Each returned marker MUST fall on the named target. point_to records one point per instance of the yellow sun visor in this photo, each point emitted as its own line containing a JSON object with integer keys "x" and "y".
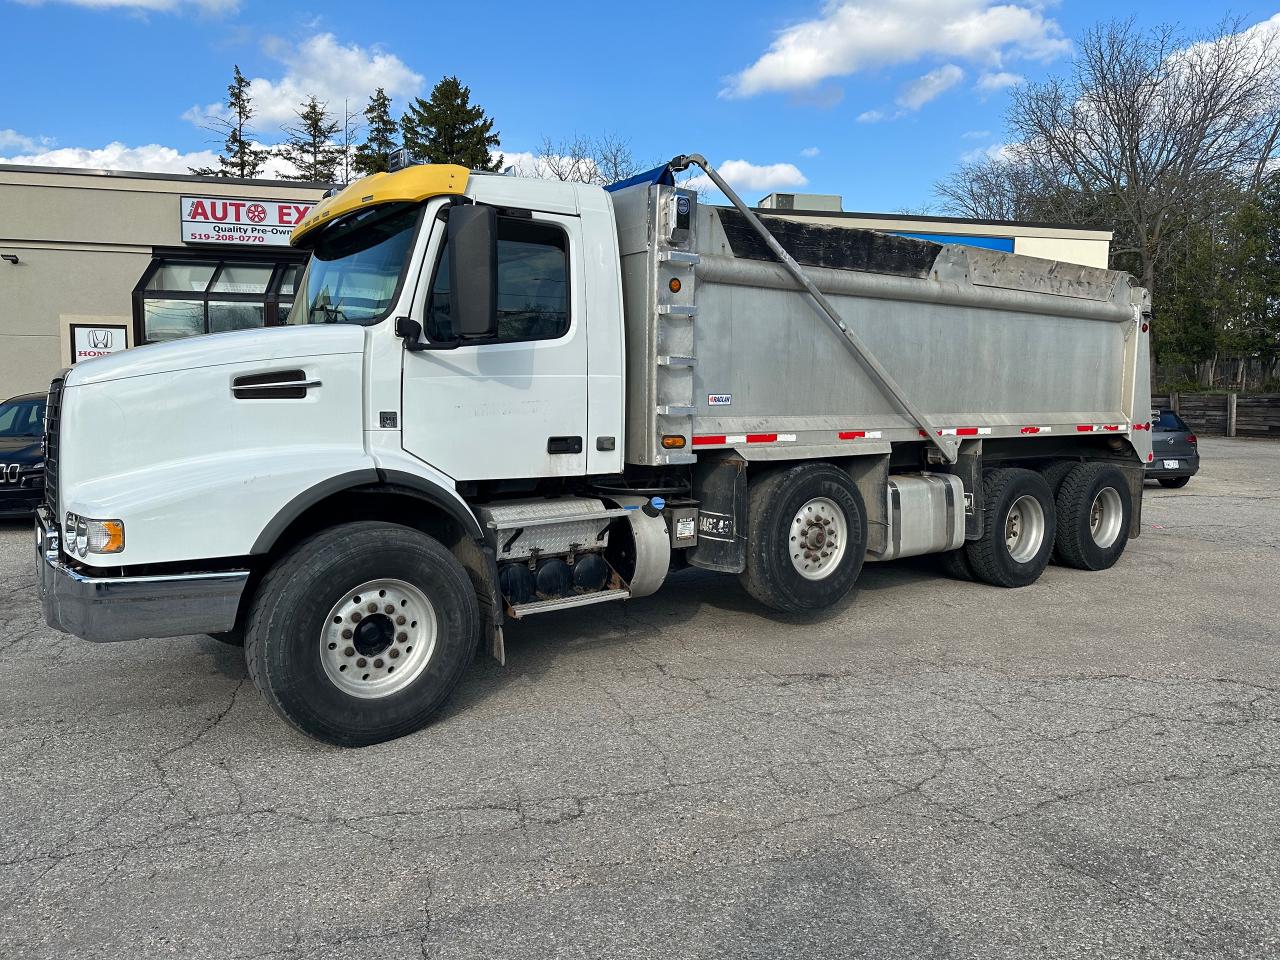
{"x": 410, "y": 185}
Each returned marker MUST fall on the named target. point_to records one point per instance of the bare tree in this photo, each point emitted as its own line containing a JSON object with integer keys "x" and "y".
{"x": 1150, "y": 127}
{"x": 605, "y": 159}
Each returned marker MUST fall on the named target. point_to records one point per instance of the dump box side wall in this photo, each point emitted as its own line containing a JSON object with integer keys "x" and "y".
{"x": 988, "y": 344}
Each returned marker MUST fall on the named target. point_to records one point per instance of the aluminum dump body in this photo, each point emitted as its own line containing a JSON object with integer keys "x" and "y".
{"x": 734, "y": 353}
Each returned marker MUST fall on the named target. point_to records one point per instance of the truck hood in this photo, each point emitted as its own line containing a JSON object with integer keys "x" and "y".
{"x": 237, "y": 346}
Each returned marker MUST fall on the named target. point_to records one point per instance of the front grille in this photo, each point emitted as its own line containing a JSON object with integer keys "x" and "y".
{"x": 52, "y": 415}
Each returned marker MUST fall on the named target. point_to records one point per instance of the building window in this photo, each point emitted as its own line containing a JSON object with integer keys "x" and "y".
{"x": 180, "y": 297}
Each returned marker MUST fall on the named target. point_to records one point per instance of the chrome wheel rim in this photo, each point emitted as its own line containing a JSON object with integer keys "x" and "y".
{"x": 1105, "y": 517}
{"x": 1024, "y": 529}
{"x": 378, "y": 638}
{"x": 818, "y": 538}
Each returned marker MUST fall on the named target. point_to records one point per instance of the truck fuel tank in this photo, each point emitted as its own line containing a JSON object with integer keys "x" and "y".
{"x": 926, "y": 515}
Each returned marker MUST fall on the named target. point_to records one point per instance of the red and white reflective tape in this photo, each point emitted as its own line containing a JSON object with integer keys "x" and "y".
{"x": 962, "y": 432}
{"x": 1099, "y": 427}
{"x": 1032, "y": 430}
{"x": 1142, "y": 426}
{"x": 860, "y": 434}
{"x": 729, "y": 439}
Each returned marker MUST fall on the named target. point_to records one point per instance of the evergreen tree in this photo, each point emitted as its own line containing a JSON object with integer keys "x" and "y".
{"x": 309, "y": 146}
{"x": 240, "y": 158}
{"x": 449, "y": 129}
{"x": 374, "y": 155}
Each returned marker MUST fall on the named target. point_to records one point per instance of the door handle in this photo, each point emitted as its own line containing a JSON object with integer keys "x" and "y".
{"x": 564, "y": 445}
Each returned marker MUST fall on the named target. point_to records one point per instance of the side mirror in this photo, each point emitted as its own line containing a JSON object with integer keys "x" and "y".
{"x": 473, "y": 271}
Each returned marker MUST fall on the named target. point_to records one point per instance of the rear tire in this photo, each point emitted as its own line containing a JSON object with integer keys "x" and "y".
{"x": 1094, "y": 506}
{"x": 807, "y": 537}
{"x": 1018, "y": 526}
{"x": 1053, "y": 475}
{"x": 955, "y": 564}
{"x": 1174, "y": 483}
{"x": 324, "y": 655}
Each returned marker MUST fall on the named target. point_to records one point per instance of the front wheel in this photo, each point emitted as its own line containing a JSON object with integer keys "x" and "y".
{"x": 360, "y": 633}
{"x": 807, "y": 537}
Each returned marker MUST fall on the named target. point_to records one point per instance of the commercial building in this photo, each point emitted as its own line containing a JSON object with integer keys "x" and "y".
{"x": 1051, "y": 241}
{"x": 96, "y": 261}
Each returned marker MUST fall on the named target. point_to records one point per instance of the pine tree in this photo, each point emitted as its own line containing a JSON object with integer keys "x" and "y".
{"x": 239, "y": 158}
{"x": 448, "y": 129}
{"x": 374, "y": 155}
{"x": 310, "y": 147}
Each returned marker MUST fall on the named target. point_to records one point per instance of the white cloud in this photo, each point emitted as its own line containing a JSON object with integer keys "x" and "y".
{"x": 744, "y": 175}
{"x": 151, "y": 157}
{"x": 1000, "y": 80}
{"x": 975, "y": 134}
{"x": 853, "y": 35}
{"x": 999, "y": 152}
{"x": 13, "y": 140}
{"x": 930, "y": 86}
{"x": 322, "y": 66}
{"x": 810, "y": 152}
{"x": 871, "y": 116}
{"x": 216, "y": 7}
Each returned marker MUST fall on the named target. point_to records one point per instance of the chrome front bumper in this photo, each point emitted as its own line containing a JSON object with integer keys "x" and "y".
{"x": 106, "y": 609}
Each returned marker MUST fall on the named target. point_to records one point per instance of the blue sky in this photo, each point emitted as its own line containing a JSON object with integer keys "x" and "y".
{"x": 871, "y": 99}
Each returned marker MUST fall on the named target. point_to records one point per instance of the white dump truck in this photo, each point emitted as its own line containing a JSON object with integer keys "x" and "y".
{"x": 499, "y": 397}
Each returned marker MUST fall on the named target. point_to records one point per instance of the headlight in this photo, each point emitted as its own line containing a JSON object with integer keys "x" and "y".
{"x": 85, "y": 536}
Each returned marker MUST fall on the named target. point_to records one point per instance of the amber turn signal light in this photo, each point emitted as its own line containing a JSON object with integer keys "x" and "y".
{"x": 674, "y": 285}
{"x": 672, "y": 441}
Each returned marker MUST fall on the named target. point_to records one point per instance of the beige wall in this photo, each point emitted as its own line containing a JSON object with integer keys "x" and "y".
{"x": 83, "y": 240}
{"x": 1090, "y": 248}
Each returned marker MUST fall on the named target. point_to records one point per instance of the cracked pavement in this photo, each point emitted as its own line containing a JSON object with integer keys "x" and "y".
{"x": 1084, "y": 768}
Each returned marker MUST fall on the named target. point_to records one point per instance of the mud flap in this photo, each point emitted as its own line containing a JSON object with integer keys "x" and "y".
{"x": 720, "y": 486}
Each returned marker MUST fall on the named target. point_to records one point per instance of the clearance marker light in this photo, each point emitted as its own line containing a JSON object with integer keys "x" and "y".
{"x": 672, "y": 441}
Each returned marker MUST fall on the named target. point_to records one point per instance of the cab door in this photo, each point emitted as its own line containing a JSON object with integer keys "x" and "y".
{"x": 514, "y": 405}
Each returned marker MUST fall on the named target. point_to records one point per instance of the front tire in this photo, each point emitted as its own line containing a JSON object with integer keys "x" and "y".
{"x": 1018, "y": 526}
{"x": 807, "y": 537}
{"x": 339, "y": 615}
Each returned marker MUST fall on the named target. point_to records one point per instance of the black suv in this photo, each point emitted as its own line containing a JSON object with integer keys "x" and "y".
{"x": 21, "y": 454}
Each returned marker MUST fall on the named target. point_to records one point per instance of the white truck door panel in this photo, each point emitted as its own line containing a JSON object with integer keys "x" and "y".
{"x": 515, "y": 407}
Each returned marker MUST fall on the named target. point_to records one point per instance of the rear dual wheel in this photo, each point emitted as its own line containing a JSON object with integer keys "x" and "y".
{"x": 1094, "y": 506}
{"x": 1018, "y": 527}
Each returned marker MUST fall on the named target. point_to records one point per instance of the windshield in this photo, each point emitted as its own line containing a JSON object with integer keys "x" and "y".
{"x": 356, "y": 266}
{"x": 22, "y": 418}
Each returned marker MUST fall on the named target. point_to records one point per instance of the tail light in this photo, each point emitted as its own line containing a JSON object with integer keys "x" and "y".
{"x": 1191, "y": 438}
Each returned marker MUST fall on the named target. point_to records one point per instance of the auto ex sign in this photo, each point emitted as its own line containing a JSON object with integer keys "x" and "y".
{"x": 242, "y": 222}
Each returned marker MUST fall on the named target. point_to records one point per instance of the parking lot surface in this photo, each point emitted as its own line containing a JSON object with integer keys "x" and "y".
{"x": 1084, "y": 768}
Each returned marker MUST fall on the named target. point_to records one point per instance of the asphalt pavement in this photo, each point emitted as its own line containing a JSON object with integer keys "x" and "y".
{"x": 1083, "y": 768}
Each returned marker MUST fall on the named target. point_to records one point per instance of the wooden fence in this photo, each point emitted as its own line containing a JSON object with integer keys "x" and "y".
{"x": 1226, "y": 414}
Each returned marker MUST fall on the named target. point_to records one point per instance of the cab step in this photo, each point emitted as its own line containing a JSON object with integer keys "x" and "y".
{"x": 521, "y": 610}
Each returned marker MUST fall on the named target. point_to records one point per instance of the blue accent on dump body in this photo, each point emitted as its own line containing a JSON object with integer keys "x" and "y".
{"x": 661, "y": 175}
{"x": 1003, "y": 244}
